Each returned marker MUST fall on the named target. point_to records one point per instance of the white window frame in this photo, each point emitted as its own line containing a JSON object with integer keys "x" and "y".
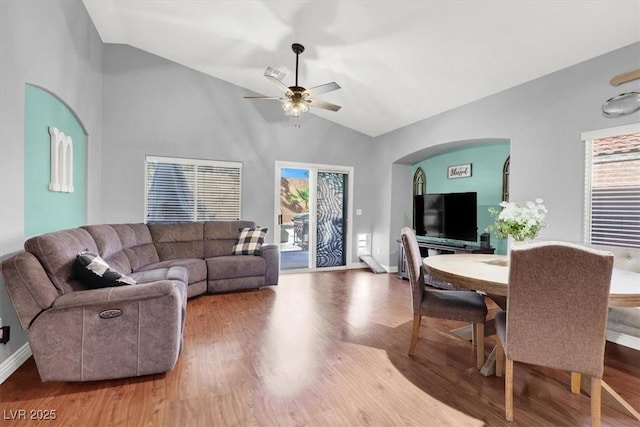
{"x": 588, "y": 138}
{"x": 190, "y": 162}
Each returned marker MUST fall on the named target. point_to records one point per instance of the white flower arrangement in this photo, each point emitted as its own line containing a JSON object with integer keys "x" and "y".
{"x": 520, "y": 222}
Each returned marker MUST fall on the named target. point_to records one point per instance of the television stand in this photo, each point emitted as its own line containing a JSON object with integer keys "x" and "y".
{"x": 437, "y": 248}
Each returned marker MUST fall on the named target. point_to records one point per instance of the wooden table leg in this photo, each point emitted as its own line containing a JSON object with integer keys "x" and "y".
{"x": 489, "y": 367}
{"x": 466, "y": 332}
{"x": 610, "y": 398}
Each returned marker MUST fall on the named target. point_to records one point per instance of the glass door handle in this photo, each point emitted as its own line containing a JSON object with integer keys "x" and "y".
{"x": 280, "y": 219}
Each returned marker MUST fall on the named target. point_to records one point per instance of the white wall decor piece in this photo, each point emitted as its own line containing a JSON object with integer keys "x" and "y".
{"x": 459, "y": 171}
{"x": 61, "y": 162}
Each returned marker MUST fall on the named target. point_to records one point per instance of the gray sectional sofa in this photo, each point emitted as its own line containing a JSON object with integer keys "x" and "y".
{"x": 80, "y": 334}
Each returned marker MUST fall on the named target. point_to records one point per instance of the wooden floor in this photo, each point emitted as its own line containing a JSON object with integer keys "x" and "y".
{"x": 321, "y": 349}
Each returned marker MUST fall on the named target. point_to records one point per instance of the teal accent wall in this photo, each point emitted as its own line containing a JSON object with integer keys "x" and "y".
{"x": 487, "y": 160}
{"x": 46, "y": 210}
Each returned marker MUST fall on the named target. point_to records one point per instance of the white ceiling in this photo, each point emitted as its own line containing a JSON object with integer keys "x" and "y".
{"x": 398, "y": 62}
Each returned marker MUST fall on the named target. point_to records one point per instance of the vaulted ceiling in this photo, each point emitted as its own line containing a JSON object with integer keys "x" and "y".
{"x": 398, "y": 62}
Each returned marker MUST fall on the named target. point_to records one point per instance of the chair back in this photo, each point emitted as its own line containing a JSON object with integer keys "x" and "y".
{"x": 557, "y": 306}
{"x": 414, "y": 265}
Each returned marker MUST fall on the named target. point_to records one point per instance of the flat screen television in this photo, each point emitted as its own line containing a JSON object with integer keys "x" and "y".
{"x": 449, "y": 216}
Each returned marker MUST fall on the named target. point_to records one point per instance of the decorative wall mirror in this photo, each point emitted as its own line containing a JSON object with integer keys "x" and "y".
{"x": 505, "y": 180}
{"x": 419, "y": 183}
{"x": 419, "y": 189}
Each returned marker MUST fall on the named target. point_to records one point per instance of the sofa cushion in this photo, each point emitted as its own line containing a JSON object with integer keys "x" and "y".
{"x": 109, "y": 247}
{"x": 624, "y": 258}
{"x": 220, "y": 236}
{"x": 137, "y": 244}
{"x": 196, "y": 268}
{"x": 95, "y": 273}
{"x": 178, "y": 241}
{"x": 233, "y": 266}
{"x": 57, "y": 252}
{"x": 250, "y": 240}
{"x": 162, "y": 273}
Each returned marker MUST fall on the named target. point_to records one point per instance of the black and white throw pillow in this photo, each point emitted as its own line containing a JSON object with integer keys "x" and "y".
{"x": 94, "y": 272}
{"x": 250, "y": 240}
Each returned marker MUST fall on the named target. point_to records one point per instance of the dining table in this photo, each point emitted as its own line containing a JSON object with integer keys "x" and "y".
{"x": 489, "y": 274}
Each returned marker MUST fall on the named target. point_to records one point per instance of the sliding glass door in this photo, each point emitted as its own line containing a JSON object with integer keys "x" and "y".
{"x": 331, "y": 214}
{"x": 312, "y": 215}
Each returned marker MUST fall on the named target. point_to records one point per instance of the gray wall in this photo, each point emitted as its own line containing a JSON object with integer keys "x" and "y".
{"x": 52, "y": 44}
{"x": 543, "y": 119}
{"x": 156, "y": 107}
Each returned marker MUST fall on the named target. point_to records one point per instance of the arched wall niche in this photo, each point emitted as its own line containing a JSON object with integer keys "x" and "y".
{"x": 55, "y": 163}
{"x": 433, "y": 150}
{"x": 67, "y": 106}
{"x": 491, "y": 152}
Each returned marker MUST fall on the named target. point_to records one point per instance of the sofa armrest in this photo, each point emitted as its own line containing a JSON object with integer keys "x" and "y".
{"x": 117, "y": 294}
{"x": 108, "y": 333}
{"x": 271, "y": 255}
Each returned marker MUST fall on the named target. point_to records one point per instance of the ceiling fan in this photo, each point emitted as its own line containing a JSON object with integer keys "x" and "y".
{"x": 297, "y": 99}
{"x": 625, "y": 103}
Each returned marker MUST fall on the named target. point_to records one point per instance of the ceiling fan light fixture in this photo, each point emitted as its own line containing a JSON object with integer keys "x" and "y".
{"x": 295, "y": 108}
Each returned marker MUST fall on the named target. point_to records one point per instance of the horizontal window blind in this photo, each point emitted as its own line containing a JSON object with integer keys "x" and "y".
{"x": 614, "y": 190}
{"x": 188, "y": 190}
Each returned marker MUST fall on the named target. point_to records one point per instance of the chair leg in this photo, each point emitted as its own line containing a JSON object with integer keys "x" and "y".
{"x": 479, "y": 329}
{"x": 575, "y": 382}
{"x": 417, "y": 319}
{"x": 474, "y": 334}
{"x": 508, "y": 390}
{"x": 499, "y": 358}
{"x": 596, "y": 395}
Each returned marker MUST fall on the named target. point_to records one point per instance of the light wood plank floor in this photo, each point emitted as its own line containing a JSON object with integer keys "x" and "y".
{"x": 321, "y": 349}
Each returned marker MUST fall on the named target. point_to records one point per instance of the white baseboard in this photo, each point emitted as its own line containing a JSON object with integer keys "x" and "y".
{"x": 388, "y": 268}
{"x": 391, "y": 268}
{"x": 356, "y": 265}
{"x": 14, "y": 361}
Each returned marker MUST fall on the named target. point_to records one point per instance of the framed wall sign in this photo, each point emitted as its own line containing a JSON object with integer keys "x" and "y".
{"x": 459, "y": 171}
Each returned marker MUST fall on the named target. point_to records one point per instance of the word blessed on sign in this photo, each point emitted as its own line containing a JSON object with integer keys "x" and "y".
{"x": 459, "y": 171}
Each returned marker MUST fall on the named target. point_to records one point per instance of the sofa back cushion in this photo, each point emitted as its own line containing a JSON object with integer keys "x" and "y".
{"x": 110, "y": 247}
{"x": 28, "y": 286}
{"x": 137, "y": 244}
{"x": 57, "y": 252}
{"x": 623, "y": 258}
{"x": 179, "y": 240}
{"x": 220, "y": 236}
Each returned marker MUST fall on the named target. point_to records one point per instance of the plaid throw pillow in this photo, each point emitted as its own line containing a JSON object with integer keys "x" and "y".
{"x": 250, "y": 240}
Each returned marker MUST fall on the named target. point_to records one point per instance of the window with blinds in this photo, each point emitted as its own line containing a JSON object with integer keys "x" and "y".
{"x": 189, "y": 190}
{"x": 613, "y": 187}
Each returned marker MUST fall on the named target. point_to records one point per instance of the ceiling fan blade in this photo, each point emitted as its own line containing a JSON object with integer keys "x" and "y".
{"x": 274, "y": 72}
{"x": 264, "y": 97}
{"x": 281, "y": 85}
{"x": 327, "y": 87}
{"x": 322, "y": 104}
{"x": 624, "y": 78}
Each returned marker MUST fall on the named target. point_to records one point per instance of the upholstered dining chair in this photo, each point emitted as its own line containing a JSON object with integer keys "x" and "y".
{"x": 556, "y": 314}
{"x": 442, "y": 304}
